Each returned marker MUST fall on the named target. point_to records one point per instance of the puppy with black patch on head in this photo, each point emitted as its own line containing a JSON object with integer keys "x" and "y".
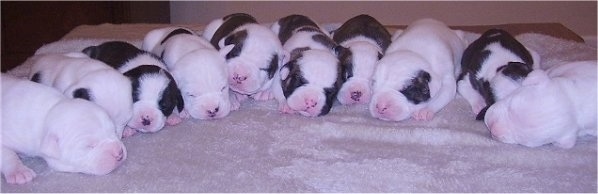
{"x": 363, "y": 41}
{"x": 311, "y": 76}
{"x": 155, "y": 92}
{"x": 71, "y": 135}
{"x": 493, "y": 66}
{"x": 199, "y": 70}
{"x": 553, "y": 106}
{"x": 415, "y": 78}
{"x": 255, "y": 58}
{"x": 78, "y": 76}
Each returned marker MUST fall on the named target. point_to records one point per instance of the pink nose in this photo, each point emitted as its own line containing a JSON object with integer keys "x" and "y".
{"x": 310, "y": 103}
{"x": 381, "y": 109}
{"x": 356, "y": 95}
{"x": 238, "y": 78}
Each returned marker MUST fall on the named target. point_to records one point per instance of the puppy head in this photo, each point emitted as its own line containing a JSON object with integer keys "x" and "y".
{"x": 535, "y": 114}
{"x": 310, "y": 82}
{"x": 80, "y": 138}
{"x": 359, "y": 62}
{"x": 155, "y": 96}
{"x": 109, "y": 89}
{"x": 255, "y": 58}
{"x": 403, "y": 84}
{"x": 202, "y": 78}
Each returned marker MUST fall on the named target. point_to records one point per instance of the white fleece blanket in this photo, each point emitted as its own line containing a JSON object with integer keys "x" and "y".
{"x": 258, "y": 149}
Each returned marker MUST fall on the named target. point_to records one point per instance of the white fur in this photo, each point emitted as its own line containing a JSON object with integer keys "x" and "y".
{"x": 427, "y": 45}
{"x": 553, "y": 106}
{"x": 201, "y": 74}
{"x": 317, "y": 67}
{"x": 245, "y": 75}
{"x": 365, "y": 57}
{"x": 71, "y": 135}
{"x": 68, "y": 72}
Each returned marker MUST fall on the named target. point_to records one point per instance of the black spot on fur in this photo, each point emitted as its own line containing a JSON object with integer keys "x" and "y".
{"x": 174, "y": 33}
{"x": 345, "y": 57}
{"x": 170, "y": 97}
{"x": 114, "y": 53}
{"x": 272, "y": 67}
{"x": 231, "y": 22}
{"x": 295, "y": 78}
{"x": 237, "y": 39}
{"x": 290, "y": 23}
{"x": 324, "y": 40}
{"x": 418, "y": 91}
{"x": 36, "y": 78}
{"x": 82, "y": 93}
{"x": 363, "y": 25}
{"x": 515, "y": 70}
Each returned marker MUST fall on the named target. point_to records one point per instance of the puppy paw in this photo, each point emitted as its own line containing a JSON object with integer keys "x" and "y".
{"x": 21, "y": 174}
{"x": 173, "y": 119}
{"x": 286, "y": 109}
{"x": 424, "y": 114}
{"x": 128, "y": 132}
{"x": 184, "y": 114}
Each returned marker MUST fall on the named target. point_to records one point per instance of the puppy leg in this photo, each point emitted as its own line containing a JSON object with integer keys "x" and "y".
{"x": 128, "y": 132}
{"x": 475, "y": 100}
{"x": 567, "y": 141}
{"x": 236, "y": 99}
{"x": 15, "y": 172}
{"x": 423, "y": 114}
{"x": 446, "y": 93}
{"x": 263, "y": 95}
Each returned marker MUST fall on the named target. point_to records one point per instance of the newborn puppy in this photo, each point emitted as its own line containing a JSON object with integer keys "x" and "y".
{"x": 311, "y": 78}
{"x": 255, "y": 58}
{"x": 365, "y": 40}
{"x": 553, "y": 106}
{"x": 78, "y": 76}
{"x": 71, "y": 135}
{"x": 492, "y": 67}
{"x": 155, "y": 93}
{"x": 199, "y": 70}
{"x": 415, "y": 78}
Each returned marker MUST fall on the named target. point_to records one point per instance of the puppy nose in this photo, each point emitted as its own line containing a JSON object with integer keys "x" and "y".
{"x": 381, "y": 109}
{"x": 239, "y": 78}
{"x": 356, "y": 95}
{"x": 146, "y": 122}
{"x": 310, "y": 103}
{"x": 212, "y": 113}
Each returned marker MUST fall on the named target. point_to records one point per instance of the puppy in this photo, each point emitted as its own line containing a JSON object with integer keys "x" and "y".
{"x": 311, "y": 78}
{"x": 415, "y": 78}
{"x": 78, "y": 76}
{"x": 255, "y": 58}
{"x": 553, "y": 106}
{"x": 492, "y": 67}
{"x": 365, "y": 40}
{"x": 71, "y": 135}
{"x": 155, "y": 93}
{"x": 199, "y": 70}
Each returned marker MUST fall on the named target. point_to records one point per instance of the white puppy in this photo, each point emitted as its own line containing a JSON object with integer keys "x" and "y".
{"x": 553, "y": 106}
{"x": 199, "y": 70}
{"x": 71, "y": 135}
{"x": 255, "y": 58}
{"x": 363, "y": 40}
{"x": 78, "y": 76}
{"x": 415, "y": 78}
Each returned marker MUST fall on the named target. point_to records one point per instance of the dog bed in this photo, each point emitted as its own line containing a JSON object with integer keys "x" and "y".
{"x": 258, "y": 149}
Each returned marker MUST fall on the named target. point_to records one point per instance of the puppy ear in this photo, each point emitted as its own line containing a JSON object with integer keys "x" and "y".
{"x": 226, "y": 49}
{"x": 50, "y": 145}
{"x": 536, "y": 77}
{"x": 82, "y": 93}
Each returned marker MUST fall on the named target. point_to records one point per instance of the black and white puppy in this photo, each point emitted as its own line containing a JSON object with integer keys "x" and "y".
{"x": 255, "y": 58}
{"x": 416, "y": 76}
{"x": 492, "y": 67}
{"x": 155, "y": 92}
{"x": 78, "y": 76}
{"x": 311, "y": 77}
{"x": 198, "y": 68}
{"x": 363, "y": 40}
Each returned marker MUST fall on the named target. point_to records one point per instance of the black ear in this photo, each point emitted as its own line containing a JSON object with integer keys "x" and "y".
{"x": 339, "y": 50}
{"x": 36, "y": 77}
{"x": 380, "y": 55}
{"x": 180, "y": 104}
{"x": 91, "y": 51}
{"x": 82, "y": 93}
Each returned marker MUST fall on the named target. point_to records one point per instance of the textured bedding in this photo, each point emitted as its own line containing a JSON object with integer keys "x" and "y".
{"x": 258, "y": 149}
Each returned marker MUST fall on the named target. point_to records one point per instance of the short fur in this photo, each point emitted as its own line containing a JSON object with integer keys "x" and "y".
{"x": 71, "y": 135}
{"x": 491, "y": 67}
{"x": 554, "y": 106}
{"x": 415, "y": 78}
{"x": 75, "y": 74}
{"x": 155, "y": 92}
